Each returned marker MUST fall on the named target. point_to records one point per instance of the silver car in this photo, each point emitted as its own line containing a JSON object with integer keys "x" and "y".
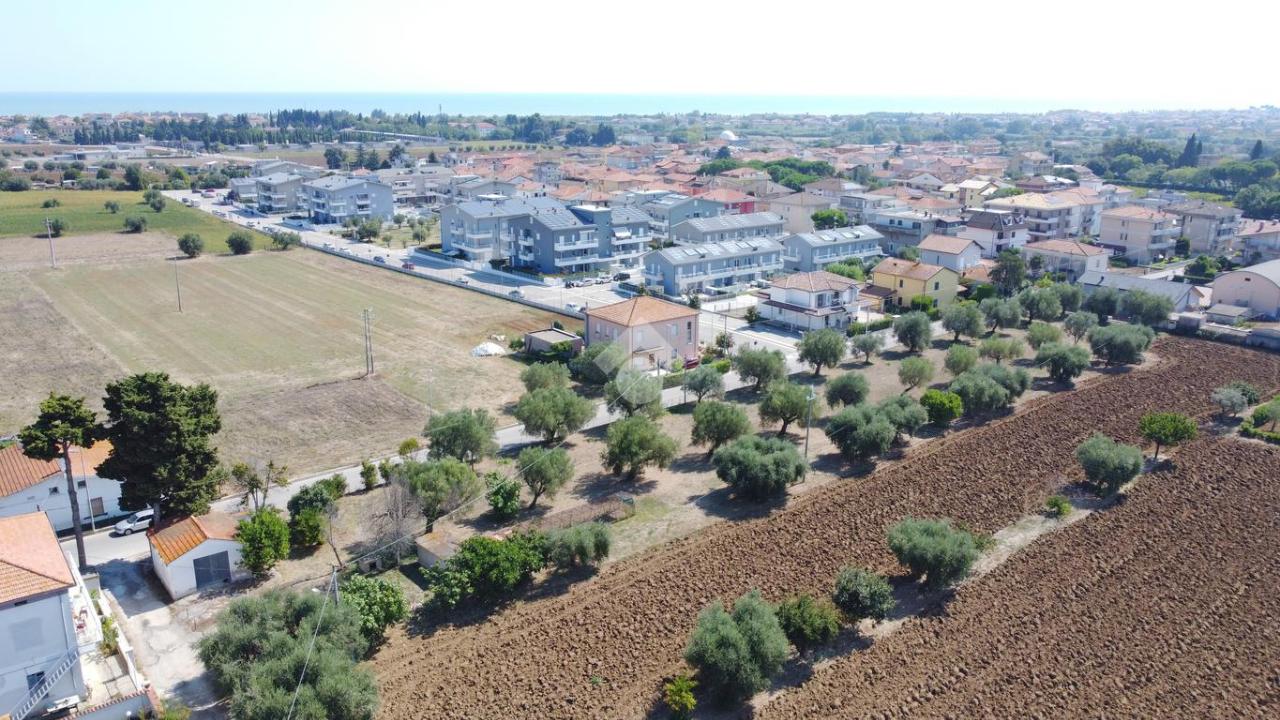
{"x": 140, "y": 520}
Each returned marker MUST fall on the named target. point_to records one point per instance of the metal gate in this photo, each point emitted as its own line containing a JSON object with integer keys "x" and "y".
{"x": 212, "y": 569}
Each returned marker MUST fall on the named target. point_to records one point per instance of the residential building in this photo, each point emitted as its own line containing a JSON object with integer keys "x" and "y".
{"x": 727, "y": 227}
{"x": 812, "y": 301}
{"x": 972, "y": 193}
{"x": 28, "y": 485}
{"x": 555, "y": 241}
{"x": 712, "y": 266}
{"x": 904, "y": 279}
{"x": 904, "y": 227}
{"x": 1259, "y": 240}
{"x": 655, "y": 333}
{"x": 196, "y": 553}
{"x": 1071, "y": 258}
{"x": 858, "y": 205}
{"x": 667, "y": 210}
{"x": 1043, "y": 183}
{"x": 244, "y": 189}
{"x": 1047, "y": 215}
{"x": 732, "y": 202}
{"x": 1140, "y": 233}
{"x": 954, "y": 253}
{"x": 469, "y": 188}
{"x": 266, "y": 168}
{"x": 995, "y": 230}
{"x": 279, "y": 193}
{"x": 480, "y": 230}
{"x": 1182, "y": 295}
{"x": 334, "y": 199}
{"x": 624, "y": 232}
{"x": 540, "y": 341}
{"x": 1210, "y": 228}
{"x": 413, "y": 188}
{"x": 833, "y": 188}
{"x": 816, "y": 250}
{"x": 1032, "y": 162}
{"x": 797, "y": 209}
{"x": 45, "y": 620}
{"x": 1256, "y": 287}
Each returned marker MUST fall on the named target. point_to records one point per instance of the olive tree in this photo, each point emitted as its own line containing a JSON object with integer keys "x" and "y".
{"x": 848, "y": 389}
{"x": 822, "y": 347}
{"x": 736, "y": 654}
{"x": 758, "y": 468}
{"x": 1064, "y": 362}
{"x": 784, "y": 402}
{"x": 960, "y": 358}
{"x": 544, "y": 471}
{"x": 962, "y": 318}
{"x": 704, "y": 381}
{"x": 1079, "y": 323}
{"x": 860, "y": 432}
{"x": 760, "y": 367}
{"x": 1108, "y": 464}
{"x": 861, "y": 593}
{"x": 868, "y": 344}
{"x": 634, "y": 443}
{"x": 716, "y": 423}
{"x": 1040, "y": 332}
{"x": 914, "y": 372}
{"x": 914, "y": 330}
{"x": 934, "y": 549}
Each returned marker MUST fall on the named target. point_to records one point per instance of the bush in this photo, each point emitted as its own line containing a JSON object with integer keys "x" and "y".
{"x": 335, "y": 485}
{"x": 307, "y": 528}
{"x": 1058, "y": 506}
{"x": 51, "y": 203}
{"x": 485, "y": 569}
{"x": 677, "y": 693}
{"x": 848, "y": 389}
{"x": 379, "y": 604}
{"x": 57, "y": 226}
{"x": 808, "y": 623}
{"x": 959, "y": 359}
{"x": 286, "y": 240}
{"x": 111, "y": 206}
{"x": 1166, "y": 429}
{"x": 1230, "y": 401}
{"x": 135, "y": 224}
{"x": 1108, "y": 464}
{"x": 913, "y": 330}
{"x": 1040, "y": 333}
{"x": 110, "y": 644}
{"x": 942, "y": 406}
{"x": 264, "y": 540}
{"x": 503, "y": 497}
{"x": 860, "y": 432}
{"x": 862, "y": 594}
{"x": 1120, "y": 344}
{"x": 585, "y": 544}
{"x": 240, "y": 242}
{"x": 545, "y": 375}
{"x": 1064, "y": 362}
{"x": 312, "y": 497}
{"x": 942, "y": 554}
{"x": 914, "y": 371}
{"x": 368, "y": 474}
{"x": 634, "y": 443}
{"x": 758, "y": 468}
{"x": 716, "y": 423}
{"x": 191, "y": 245}
{"x": 1268, "y": 414}
{"x": 737, "y": 654}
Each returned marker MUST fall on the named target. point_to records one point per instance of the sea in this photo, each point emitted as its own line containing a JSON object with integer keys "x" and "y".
{"x": 484, "y": 104}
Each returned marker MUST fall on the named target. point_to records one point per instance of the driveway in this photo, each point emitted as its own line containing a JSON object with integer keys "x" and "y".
{"x": 164, "y": 635}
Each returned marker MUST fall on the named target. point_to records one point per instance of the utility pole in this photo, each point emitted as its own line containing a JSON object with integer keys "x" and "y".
{"x": 808, "y": 421}
{"x": 48, "y": 231}
{"x": 368, "y": 341}
{"x": 177, "y": 285}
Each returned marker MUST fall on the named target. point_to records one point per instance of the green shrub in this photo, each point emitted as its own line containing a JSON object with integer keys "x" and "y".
{"x": 378, "y": 602}
{"x": 240, "y": 242}
{"x": 191, "y": 245}
{"x": 486, "y": 569}
{"x": 335, "y": 485}
{"x": 110, "y": 644}
{"x": 135, "y": 224}
{"x": 503, "y": 496}
{"x": 307, "y": 528}
{"x": 677, "y": 693}
{"x": 808, "y": 623}
{"x": 942, "y": 554}
{"x": 942, "y": 406}
{"x": 1108, "y": 464}
{"x": 758, "y": 468}
{"x": 737, "y": 654}
{"x": 862, "y": 594}
{"x": 1058, "y": 506}
{"x": 585, "y": 544}
{"x": 264, "y": 540}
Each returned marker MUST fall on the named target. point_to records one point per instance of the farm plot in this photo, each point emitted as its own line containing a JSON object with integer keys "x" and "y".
{"x": 602, "y": 647}
{"x": 1163, "y": 606}
{"x": 280, "y": 337}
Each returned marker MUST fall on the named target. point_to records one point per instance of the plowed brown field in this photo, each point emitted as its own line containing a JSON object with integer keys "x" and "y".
{"x": 1164, "y": 606}
{"x": 601, "y": 649}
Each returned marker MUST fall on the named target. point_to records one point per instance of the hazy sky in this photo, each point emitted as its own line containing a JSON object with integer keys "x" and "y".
{"x": 1081, "y": 52}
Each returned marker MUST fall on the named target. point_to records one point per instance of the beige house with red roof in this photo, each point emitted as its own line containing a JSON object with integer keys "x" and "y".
{"x": 1140, "y": 233}
{"x": 196, "y": 553}
{"x": 812, "y": 301}
{"x": 949, "y": 251}
{"x": 655, "y": 333}
{"x": 28, "y": 485}
{"x": 1071, "y": 258}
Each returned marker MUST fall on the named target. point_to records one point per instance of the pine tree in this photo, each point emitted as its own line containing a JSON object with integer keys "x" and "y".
{"x": 1256, "y": 152}
{"x": 1190, "y": 156}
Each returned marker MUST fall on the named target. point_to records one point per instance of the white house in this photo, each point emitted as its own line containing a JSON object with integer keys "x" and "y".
{"x": 1256, "y": 287}
{"x": 1072, "y": 258}
{"x": 44, "y": 620}
{"x": 28, "y": 485}
{"x": 955, "y": 253}
{"x": 812, "y": 300}
{"x": 196, "y": 553}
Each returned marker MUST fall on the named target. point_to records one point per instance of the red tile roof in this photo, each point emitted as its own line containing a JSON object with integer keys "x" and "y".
{"x": 641, "y": 310}
{"x": 19, "y": 472}
{"x": 31, "y": 561}
{"x": 181, "y": 536}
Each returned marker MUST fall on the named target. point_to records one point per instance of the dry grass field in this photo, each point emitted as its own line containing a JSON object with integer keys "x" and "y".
{"x": 279, "y": 335}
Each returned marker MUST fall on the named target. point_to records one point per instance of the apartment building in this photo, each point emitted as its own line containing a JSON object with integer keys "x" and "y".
{"x": 279, "y": 193}
{"x": 667, "y": 210}
{"x": 995, "y": 230}
{"x": 904, "y": 227}
{"x": 806, "y": 252}
{"x": 334, "y": 199}
{"x": 1259, "y": 240}
{"x": 731, "y": 201}
{"x": 556, "y": 240}
{"x": 797, "y": 209}
{"x": 1047, "y": 215}
{"x": 712, "y": 266}
{"x": 415, "y": 189}
{"x": 480, "y": 230}
{"x": 1210, "y": 228}
{"x": 1070, "y": 258}
{"x": 857, "y": 205}
{"x": 1140, "y": 233}
{"x": 727, "y": 227}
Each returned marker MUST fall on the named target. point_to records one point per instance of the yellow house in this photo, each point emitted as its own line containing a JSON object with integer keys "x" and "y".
{"x": 904, "y": 279}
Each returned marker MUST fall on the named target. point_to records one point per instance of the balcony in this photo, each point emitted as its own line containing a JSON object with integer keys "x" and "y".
{"x": 1166, "y": 232}
{"x": 566, "y": 260}
{"x": 578, "y": 245}
{"x": 628, "y": 254}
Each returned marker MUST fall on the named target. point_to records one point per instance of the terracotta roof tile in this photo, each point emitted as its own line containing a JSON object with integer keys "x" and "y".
{"x": 898, "y": 267}
{"x": 31, "y": 561}
{"x": 945, "y": 244}
{"x": 817, "y": 281}
{"x": 19, "y": 472}
{"x": 177, "y": 538}
{"x": 641, "y": 310}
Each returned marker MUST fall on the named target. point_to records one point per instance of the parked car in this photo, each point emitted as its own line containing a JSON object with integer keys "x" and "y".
{"x": 573, "y": 307}
{"x": 462, "y": 281}
{"x": 380, "y": 259}
{"x": 517, "y": 293}
{"x": 571, "y": 283}
{"x": 140, "y": 520}
{"x": 586, "y": 282}
{"x": 622, "y": 276}
{"x": 406, "y": 265}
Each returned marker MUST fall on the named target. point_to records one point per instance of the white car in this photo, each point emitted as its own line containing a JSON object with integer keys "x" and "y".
{"x": 140, "y": 520}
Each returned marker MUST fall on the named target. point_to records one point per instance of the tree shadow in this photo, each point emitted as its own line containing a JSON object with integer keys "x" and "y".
{"x": 596, "y": 486}
{"x": 723, "y": 503}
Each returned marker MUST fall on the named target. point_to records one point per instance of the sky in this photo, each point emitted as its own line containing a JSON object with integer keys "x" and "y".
{"x": 1083, "y": 53}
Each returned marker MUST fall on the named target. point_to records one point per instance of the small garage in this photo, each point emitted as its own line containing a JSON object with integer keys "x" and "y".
{"x": 196, "y": 554}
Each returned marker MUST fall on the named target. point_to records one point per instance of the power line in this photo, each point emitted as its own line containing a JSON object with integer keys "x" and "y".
{"x": 312, "y": 645}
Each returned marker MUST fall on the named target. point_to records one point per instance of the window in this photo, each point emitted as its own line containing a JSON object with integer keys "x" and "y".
{"x": 936, "y": 285}
{"x": 899, "y": 283}
{"x": 96, "y": 507}
{"x": 53, "y": 490}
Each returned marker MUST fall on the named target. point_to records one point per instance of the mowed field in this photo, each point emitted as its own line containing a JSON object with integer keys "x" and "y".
{"x": 21, "y": 215}
{"x": 602, "y": 647}
{"x": 279, "y": 335}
